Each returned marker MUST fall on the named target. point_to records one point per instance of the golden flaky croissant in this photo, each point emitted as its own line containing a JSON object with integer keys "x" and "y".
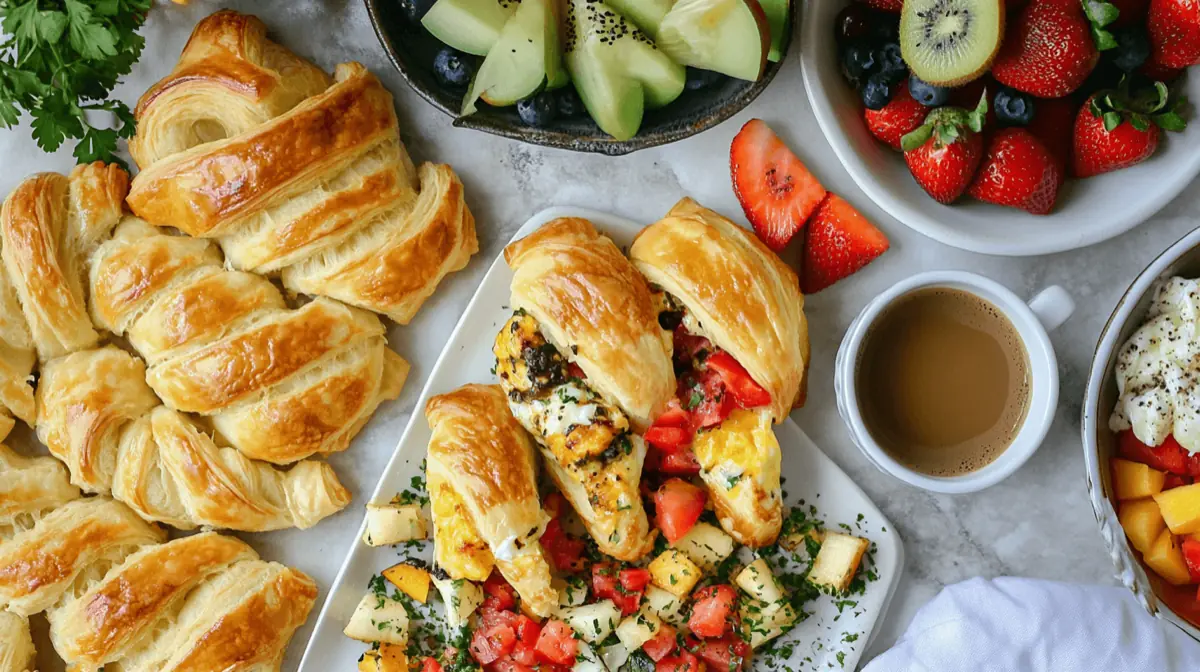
{"x": 100, "y": 418}
{"x": 17, "y": 358}
{"x": 16, "y": 645}
{"x": 716, "y": 280}
{"x": 115, "y": 592}
{"x": 278, "y": 384}
{"x": 584, "y": 362}
{"x": 296, "y": 174}
{"x": 482, "y": 472}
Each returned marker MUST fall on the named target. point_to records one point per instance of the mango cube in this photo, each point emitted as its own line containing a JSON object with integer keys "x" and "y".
{"x": 1142, "y": 522}
{"x": 1180, "y": 508}
{"x": 1166, "y": 559}
{"x": 1134, "y": 480}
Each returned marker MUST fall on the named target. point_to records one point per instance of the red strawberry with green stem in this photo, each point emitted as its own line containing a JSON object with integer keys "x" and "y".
{"x": 1174, "y": 27}
{"x": 838, "y": 242}
{"x": 902, "y": 115}
{"x": 1116, "y": 129}
{"x": 1050, "y": 50}
{"x": 775, "y": 189}
{"x": 1018, "y": 171}
{"x": 1051, "y": 125}
{"x": 944, "y": 152}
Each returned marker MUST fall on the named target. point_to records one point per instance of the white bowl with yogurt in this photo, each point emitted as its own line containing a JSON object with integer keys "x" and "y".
{"x": 1151, "y": 390}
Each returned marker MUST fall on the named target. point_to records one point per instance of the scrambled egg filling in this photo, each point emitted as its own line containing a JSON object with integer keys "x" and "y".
{"x": 459, "y": 548}
{"x": 582, "y": 431}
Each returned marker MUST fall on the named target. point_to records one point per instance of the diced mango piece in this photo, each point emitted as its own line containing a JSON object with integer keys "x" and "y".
{"x": 1166, "y": 559}
{"x": 1180, "y": 507}
{"x": 410, "y": 579}
{"x": 1142, "y": 522}
{"x": 1134, "y": 480}
{"x": 674, "y": 572}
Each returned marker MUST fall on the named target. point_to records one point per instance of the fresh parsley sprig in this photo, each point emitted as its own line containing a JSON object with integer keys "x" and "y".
{"x": 59, "y": 60}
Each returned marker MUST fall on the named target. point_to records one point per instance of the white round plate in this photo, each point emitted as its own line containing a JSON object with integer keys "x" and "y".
{"x": 1088, "y": 211}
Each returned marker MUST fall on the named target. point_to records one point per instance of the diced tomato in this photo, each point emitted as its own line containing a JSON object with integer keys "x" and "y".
{"x": 704, "y": 393}
{"x": 634, "y": 580}
{"x": 606, "y": 586}
{"x": 490, "y": 617}
{"x": 668, "y": 439}
{"x": 686, "y": 346}
{"x": 678, "y": 505}
{"x": 527, "y": 629}
{"x": 661, "y": 645}
{"x": 1169, "y": 457}
{"x": 557, "y": 643}
{"x": 565, "y": 551}
{"x": 500, "y": 595}
{"x": 574, "y": 371}
{"x": 525, "y": 654}
{"x": 728, "y": 654}
{"x": 745, "y": 392}
{"x": 712, "y": 611}
{"x": 491, "y": 644}
{"x": 1176, "y": 481}
{"x": 430, "y": 664}
{"x": 509, "y": 665}
{"x": 554, "y": 505}
{"x": 683, "y": 662}
{"x": 679, "y": 463}
{"x": 674, "y": 416}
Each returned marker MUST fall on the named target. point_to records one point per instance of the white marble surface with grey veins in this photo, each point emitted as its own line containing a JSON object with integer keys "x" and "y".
{"x": 1037, "y": 524}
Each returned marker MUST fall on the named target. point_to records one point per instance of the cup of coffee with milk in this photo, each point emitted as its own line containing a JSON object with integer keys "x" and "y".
{"x": 948, "y": 381}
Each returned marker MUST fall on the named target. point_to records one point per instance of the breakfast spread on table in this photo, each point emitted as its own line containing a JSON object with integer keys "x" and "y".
{"x": 660, "y": 537}
{"x": 1004, "y": 101}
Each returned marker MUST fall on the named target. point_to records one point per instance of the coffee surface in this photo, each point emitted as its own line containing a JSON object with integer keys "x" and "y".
{"x": 943, "y": 381}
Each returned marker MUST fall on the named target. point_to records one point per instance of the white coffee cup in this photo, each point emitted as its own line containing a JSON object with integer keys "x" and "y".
{"x": 1044, "y": 313}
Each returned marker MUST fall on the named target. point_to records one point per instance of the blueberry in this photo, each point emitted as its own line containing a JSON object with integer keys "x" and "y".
{"x": 877, "y": 92}
{"x": 891, "y": 62}
{"x": 1013, "y": 108}
{"x": 539, "y": 110}
{"x": 852, "y": 23}
{"x": 858, "y": 61}
{"x": 569, "y": 103}
{"x": 452, "y": 68}
{"x": 927, "y": 94}
{"x": 1133, "y": 48}
{"x": 701, "y": 79}
{"x": 415, "y": 10}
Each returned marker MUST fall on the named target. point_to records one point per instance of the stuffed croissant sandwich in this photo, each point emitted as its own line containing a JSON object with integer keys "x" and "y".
{"x": 740, "y": 351}
{"x": 586, "y": 367}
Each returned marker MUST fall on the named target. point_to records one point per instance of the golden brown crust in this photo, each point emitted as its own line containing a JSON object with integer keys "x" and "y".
{"x": 48, "y": 226}
{"x": 484, "y": 454}
{"x": 100, "y": 418}
{"x": 30, "y": 487}
{"x": 17, "y": 358}
{"x": 591, "y": 303}
{"x": 742, "y": 296}
{"x": 16, "y": 645}
{"x": 278, "y": 384}
{"x": 295, "y": 174}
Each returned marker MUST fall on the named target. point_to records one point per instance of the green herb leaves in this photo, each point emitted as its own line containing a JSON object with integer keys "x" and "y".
{"x": 59, "y": 59}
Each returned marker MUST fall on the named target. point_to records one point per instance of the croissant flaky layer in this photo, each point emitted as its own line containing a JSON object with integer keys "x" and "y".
{"x": 100, "y": 418}
{"x": 295, "y": 173}
{"x": 117, "y": 593}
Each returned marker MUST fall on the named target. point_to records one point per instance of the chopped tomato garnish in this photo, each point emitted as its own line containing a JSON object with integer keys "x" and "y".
{"x": 713, "y": 611}
{"x": 525, "y": 654}
{"x": 500, "y": 595}
{"x": 606, "y": 585}
{"x": 679, "y": 463}
{"x": 668, "y": 439}
{"x": 507, "y": 664}
{"x": 674, "y": 416}
{"x": 703, "y": 392}
{"x": 527, "y": 629}
{"x": 574, "y": 371}
{"x": 677, "y": 505}
{"x": 662, "y": 644}
{"x": 489, "y": 645}
{"x": 745, "y": 392}
{"x": 565, "y": 551}
{"x": 557, "y": 644}
{"x": 634, "y": 580}
{"x": 728, "y": 654}
{"x": 489, "y": 617}
{"x": 430, "y": 664}
{"x": 682, "y": 662}
{"x": 687, "y": 346}
{"x": 554, "y": 505}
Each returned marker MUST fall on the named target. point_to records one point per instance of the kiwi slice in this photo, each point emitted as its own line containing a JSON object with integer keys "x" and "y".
{"x": 950, "y": 42}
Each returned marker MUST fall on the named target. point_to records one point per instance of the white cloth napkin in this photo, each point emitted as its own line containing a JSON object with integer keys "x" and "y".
{"x": 1024, "y": 625}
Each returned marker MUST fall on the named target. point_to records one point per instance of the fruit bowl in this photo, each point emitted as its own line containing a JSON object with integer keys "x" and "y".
{"x": 1087, "y": 211}
{"x": 1100, "y": 444}
{"x": 412, "y": 50}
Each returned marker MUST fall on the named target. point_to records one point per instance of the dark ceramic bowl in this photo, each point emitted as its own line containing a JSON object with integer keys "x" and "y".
{"x": 411, "y": 48}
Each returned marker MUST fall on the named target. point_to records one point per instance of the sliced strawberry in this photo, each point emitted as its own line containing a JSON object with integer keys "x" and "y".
{"x": 776, "y": 191}
{"x": 902, "y": 115}
{"x": 1019, "y": 172}
{"x": 838, "y": 243}
{"x": 944, "y": 153}
{"x": 1174, "y": 27}
{"x": 1048, "y": 50}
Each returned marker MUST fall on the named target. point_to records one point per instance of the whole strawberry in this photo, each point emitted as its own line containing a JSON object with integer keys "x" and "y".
{"x": 1115, "y": 130}
{"x": 887, "y": 5}
{"x": 1018, "y": 171}
{"x": 1051, "y": 125}
{"x": 944, "y": 153}
{"x": 1174, "y": 27}
{"x": 1048, "y": 51}
{"x": 900, "y": 116}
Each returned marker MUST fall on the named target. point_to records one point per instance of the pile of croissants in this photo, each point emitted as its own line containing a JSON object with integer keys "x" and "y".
{"x": 201, "y": 336}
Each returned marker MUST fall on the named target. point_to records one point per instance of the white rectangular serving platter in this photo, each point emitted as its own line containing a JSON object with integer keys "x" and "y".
{"x": 832, "y": 637}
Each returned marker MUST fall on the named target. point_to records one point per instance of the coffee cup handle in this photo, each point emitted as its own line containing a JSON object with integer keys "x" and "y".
{"x": 1052, "y": 306}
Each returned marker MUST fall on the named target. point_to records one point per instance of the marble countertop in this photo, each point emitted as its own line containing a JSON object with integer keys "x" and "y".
{"x": 1036, "y": 524}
